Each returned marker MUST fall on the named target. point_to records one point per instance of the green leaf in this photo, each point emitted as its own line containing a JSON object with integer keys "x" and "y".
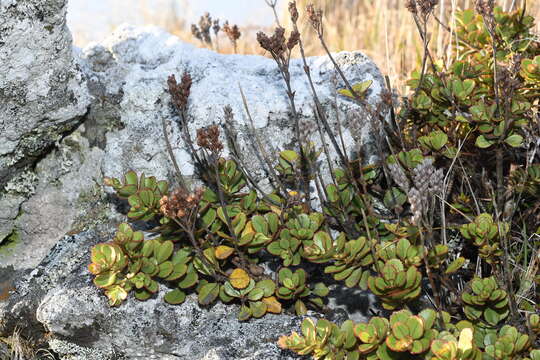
{"x": 105, "y": 279}
{"x": 209, "y": 217}
{"x": 333, "y": 193}
{"x": 208, "y": 293}
{"x": 179, "y": 270}
{"x": 244, "y": 314}
{"x": 422, "y": 102}
{"x": 320, "y": 289}
{"x": 259, "y": 224}
{"x": 268, "y": 286}
{"x": 358, "y": 88}
{"x": 455, "y": 265}
{"x": 514, "y": 140}
{"x": 258, "y": 309}
{"x": 116, "y": 295}
{"x": 130, "y": 178}
{"x": 190, "y": 279}
{"x": 438, "y": 139}
{"x": 163, "y": 251}
{"x": 142, "y": 294}
{"x": 394, "y": 198}
{"x": 147, "y": 197}
{"x": 300, "y": 308}
{"x": 165, "y": 269}
{"x": 416, "y": 327}
{"x": 482, "y": 142}
{"x": 256, "y": 294}
{"x": 289, "y": 155}
{"x": 152, "y": 286}
{"x": 175, "y": 297}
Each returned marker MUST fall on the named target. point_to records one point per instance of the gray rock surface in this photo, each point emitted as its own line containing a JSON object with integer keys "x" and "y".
{"x": 42, "y": 92}
{"x": 43, "y": 95}
{"x": 66, "y": 197}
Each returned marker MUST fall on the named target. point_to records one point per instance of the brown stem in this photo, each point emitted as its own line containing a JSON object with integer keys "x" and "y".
{"x": 261, "y": 148}
{"x": 243, "y": 260}
{"x": 320, "y": 115}
{"x": 436, "y": 293}
{"x": 217, "y": 276}
{"x": 178, "y": 173}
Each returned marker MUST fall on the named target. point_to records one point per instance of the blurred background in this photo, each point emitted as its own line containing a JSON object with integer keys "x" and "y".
{"x": 383, "y": 29}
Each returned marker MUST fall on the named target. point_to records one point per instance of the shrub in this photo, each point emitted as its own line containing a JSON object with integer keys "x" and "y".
{"x": 460, "y": 197}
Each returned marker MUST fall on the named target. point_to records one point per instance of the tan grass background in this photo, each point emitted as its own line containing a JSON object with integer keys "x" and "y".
{"x": 383, "y": 29}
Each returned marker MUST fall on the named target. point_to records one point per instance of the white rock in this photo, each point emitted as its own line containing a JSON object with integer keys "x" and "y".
{"x": 133, "y": 65}
{"x": 42, "y": 92}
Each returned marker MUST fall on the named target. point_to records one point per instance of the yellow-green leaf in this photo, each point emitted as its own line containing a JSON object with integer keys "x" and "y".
{"x": 239, "y": 278}
{"x": 222, "y": 252}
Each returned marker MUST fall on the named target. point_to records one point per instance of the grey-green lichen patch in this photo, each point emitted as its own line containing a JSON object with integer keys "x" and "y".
{"x": 23, "y": 184}
{"x": 71, "y": 351}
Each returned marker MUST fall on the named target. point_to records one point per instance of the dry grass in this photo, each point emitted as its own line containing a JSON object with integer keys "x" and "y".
{"x": 383, "y": 29}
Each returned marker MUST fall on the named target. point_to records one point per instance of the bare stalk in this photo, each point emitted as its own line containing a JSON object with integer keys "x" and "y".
{"x": 178, "y": 173}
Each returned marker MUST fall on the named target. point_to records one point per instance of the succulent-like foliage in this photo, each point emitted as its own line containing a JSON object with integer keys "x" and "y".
{"x": 293, "y": 287}
{"x": 448, "y": 346}
{"x": 143, "y": 194}
{"x": 396, "y": 284}
{"x": 257, "y": 297}
{"x": 323, "y": 340}
{"x": 351, "y": 261}
{"x": 299, "y": 232}
{"x": 485, "y": 301}
{"x": 412, "y": 334}
{"x": 507, "y": 344}
{"x": 231, "y": 178}
{"x": 534, "y": 323}
{"x": 484, "y": 233}
{"x": 371, "y": 335}
{"x": 408, "y": 254}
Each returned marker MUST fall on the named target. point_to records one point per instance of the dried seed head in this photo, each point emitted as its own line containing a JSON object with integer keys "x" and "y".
{"x": 216, "y": 27}
{"x": 293, "y": 11}
{"x": 205, "y": 24}
{"x": 436, "y": 182}
{"x": 398, "y": 175}
{"x": 180, "y": 203}
{"x": 232, "y": 32}
{"x": 294, "y": 38}
{"x": 315, "y": 18}
{"x": 427, "y": 6}
{"x": 180, "y": 92}
{"x": 485, "y": 7}
{"x": 411, "y": 6}
{"x": 422, "y": 175}
{"x": 230, "y": 130}
{"x": 228, "y": 114}
{"x": 417, "y": 208}
{"x": 275, "y": 44}
{"x": 387, "y": 97}
{"x": 208, "y": 138}
{"x": 196, "y": 32}
{"x": 307, "y": 128}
